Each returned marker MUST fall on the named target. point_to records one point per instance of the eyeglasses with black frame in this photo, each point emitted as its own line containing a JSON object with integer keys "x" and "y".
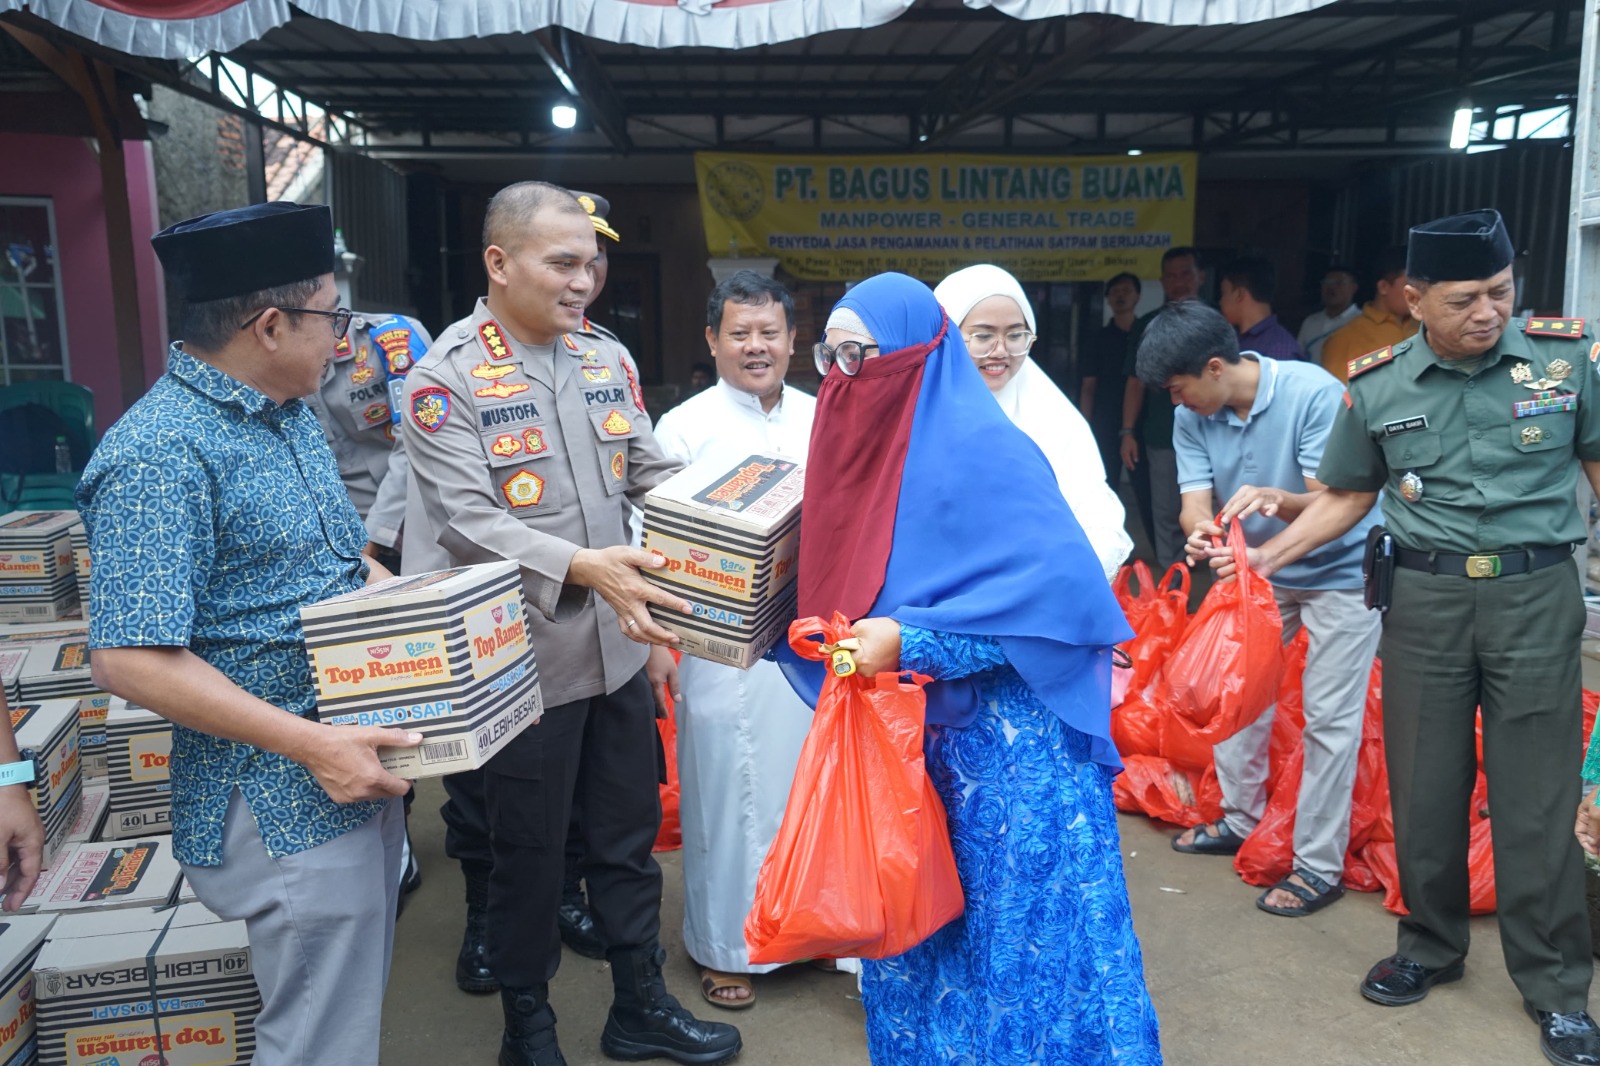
{"x": 846, "y": 355}
{"x": 341, "y": 318}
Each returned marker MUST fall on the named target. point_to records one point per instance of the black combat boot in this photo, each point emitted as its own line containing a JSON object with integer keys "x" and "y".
{"x": 530, "y": 1036}
{"x": 578, "y": 930}
{"x": 646, "y": 1022}
{"x": 472, "y": 965}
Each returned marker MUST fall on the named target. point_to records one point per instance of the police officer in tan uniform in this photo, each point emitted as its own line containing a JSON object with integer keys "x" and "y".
{"x": 360, "y": 389}
{"x": 528, "y": 443}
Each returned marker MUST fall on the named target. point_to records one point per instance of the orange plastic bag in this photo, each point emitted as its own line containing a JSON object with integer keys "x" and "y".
{"x": 1154, "y": 787}
{"x": 862, "y": 864}
{"x": 670, "y": 836}
{"x": 1228, "y": 668}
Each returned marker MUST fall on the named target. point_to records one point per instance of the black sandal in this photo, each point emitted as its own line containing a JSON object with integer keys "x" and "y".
{"x": 1319, "y": 895}
{"x": 1226, "y": 842}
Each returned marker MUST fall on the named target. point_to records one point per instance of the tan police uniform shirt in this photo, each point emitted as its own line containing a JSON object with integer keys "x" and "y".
{"x": 530, "y": 453}
{"x": 354, "y": 407}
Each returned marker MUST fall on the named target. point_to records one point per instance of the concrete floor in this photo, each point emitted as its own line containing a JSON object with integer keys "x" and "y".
{"x": 1233, "y": 986}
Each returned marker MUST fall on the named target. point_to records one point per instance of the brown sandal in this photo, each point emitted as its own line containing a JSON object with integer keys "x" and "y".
{"x": 714, "y": 981}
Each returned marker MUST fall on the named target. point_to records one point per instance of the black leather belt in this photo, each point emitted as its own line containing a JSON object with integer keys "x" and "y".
{"x": 1509, "y": 561}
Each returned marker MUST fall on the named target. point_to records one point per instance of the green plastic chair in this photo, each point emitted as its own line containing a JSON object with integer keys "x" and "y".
{"x": 74, "y": 406}
{"x": 74, "y": 403}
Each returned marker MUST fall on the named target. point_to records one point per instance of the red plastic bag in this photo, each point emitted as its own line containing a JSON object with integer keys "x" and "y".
{"x": 1154, "y": 787}
{"x": 1162, "y": 621}
{"x": 862, "y": 864}
{"x": 1267, "y": 855}
{"x": 1135, "y": 604}
{"x": 1289, "y": 717}
{"x": 670, "y": 836}
{"x": 1228, "y": 668}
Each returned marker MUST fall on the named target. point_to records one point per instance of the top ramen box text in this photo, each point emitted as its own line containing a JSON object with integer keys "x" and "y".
{"x": 731, "y": 538}
{"x": 103, "y": 980}
{"x": 445, "y": 654}
{"x": 38, "y": 582}
{"x": 21, "y": 937}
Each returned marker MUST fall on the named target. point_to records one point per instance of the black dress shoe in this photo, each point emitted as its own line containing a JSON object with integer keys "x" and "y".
{"x": 1567, "y": 1039}
{"x": 578, "y": 930}
{"x": 1397, "y": 980}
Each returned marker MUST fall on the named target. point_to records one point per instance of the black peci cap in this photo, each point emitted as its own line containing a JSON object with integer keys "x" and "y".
{"x": 246, "y": 249}
{"x": 1465, "y": 247}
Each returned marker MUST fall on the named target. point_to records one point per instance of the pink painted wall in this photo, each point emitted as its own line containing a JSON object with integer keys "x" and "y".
{"x": 67, "y": 170}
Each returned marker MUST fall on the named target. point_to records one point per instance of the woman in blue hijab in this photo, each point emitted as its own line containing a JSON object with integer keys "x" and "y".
{"x": 937, "y": 523}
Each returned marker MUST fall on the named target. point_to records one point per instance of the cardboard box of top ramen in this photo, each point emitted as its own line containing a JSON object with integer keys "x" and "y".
{"x": 731, "y": 538}
{"x": 96, "y": 1005}
{"x": 50, "y": 731}
{"x": 108, "y": 875}
{"x": 91, "y": 814}
{"x": 21, "y": 937}
{"x": 138, "y": 751}
{"x": 80, "y": 565}
{"x": 445, "y": 654}
{"x": 38, "y": 582}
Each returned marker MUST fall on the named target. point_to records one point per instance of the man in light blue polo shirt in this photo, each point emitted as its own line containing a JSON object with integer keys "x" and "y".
{"x": 1250, "y": 430}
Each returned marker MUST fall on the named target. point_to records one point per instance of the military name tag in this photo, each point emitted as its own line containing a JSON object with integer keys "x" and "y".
{"x": 1405, "y": 425}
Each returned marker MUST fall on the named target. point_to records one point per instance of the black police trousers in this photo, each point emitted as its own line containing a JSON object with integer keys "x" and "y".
{"x": 606, "y": 751}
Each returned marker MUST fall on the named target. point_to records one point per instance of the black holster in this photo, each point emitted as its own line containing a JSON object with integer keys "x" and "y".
{"x": 1377, "y": 567}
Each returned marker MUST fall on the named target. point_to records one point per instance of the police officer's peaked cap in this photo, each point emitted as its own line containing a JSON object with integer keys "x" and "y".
{"x": 1466, "y": 247}
{"x": 246, "y": 249}
{"x": 599, "y": 209}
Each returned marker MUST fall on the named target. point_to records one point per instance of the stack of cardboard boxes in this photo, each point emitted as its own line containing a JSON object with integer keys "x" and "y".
{"x": 730, "y": 538}
{"x": 141, "y": 986}
{"x": 49, "y": 731}
{"x": 138, "y": 749}
{"x": 80, "y": 565}
{"x": 445, "y": 654}
{"x": 38, "y": 582}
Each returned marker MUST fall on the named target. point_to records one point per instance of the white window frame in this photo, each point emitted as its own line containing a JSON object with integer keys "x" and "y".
{"x": 49, "y": 205}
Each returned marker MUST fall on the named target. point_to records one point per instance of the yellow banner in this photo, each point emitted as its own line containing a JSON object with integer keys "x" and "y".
{"x": 1044, "y": 218}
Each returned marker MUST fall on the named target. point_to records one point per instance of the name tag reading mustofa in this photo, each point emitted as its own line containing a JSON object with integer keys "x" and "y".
{"x": 1405, "y": 425}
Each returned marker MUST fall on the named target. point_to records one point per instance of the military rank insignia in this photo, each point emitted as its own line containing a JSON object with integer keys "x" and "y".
{"x": 1554, "y": 327}
{"x": 1367, "y": 362}
{"x": 494, "y": 340}
{"x": 501, "y": 389}
{"x": 572, "y": 345}
{"x": 430, "y": 407}
{"x": 492, "y": 373}
{"x": 633, "y": 384}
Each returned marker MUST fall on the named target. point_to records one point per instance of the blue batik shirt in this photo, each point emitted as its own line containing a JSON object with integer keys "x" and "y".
{"x": 214, "y": 514}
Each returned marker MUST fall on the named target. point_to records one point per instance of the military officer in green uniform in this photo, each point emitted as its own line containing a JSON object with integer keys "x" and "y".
{"x": 1475, "y": 430}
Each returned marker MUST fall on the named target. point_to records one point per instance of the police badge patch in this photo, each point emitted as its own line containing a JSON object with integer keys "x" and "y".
{"x": 430, "y": 407}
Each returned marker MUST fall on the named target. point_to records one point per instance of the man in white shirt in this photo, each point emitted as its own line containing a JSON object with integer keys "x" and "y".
{"x": 1338, "y": 308}
{"x": 739, "y": 731}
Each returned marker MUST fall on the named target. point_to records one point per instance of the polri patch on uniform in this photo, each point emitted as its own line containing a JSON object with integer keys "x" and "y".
{"x": 502, "y": 389}
{"x": 619, "y": 465}
{"x": 376, "y": 414}
{"x": 494, "y": 340}
{"x": 1554, "y": 327}
{"x": 1369, "y": 361}
{"x": 362, "y": 374}
{"x": 616, "y": 424}
{"x": 597, "y": 375}
{"x": 505, "y": 445}
{"x": 1405, "y": 425}
{"x": 430, "y": 407}
{"x": 533, "y": 441}
{"x": 523, "y": 489}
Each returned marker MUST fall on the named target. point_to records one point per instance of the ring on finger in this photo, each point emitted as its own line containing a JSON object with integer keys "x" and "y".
{"x": 631, "y": 623}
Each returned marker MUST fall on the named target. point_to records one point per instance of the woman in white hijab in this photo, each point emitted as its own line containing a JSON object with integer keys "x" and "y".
{"x": 996, "y": 320}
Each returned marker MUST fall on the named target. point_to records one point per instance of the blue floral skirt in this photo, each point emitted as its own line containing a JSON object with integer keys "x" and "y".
{"x": 1043, "y": 969}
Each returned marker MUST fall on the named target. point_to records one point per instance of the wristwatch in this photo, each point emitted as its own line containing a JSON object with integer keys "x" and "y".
{"x": 1125, "y": 431}
{"x": 20, "y": 773}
